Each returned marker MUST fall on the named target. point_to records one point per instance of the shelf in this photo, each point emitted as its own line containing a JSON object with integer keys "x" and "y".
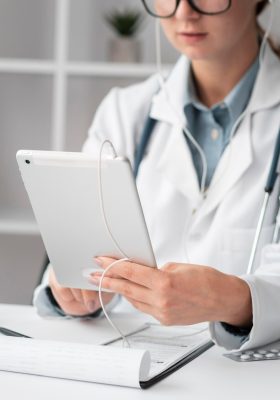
{"x": 27, "y": 66}
{"x": 15, "y": 223}
{"x": 113, "y": 69}
{"x": 103, "y": 69}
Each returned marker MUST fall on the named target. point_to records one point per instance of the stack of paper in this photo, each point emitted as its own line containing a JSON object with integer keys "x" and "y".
{"x": 154, "y": 352}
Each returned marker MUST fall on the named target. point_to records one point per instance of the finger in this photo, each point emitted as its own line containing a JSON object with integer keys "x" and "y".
{"x": 143, "y": 307}
{"x": 77, "y": 293}
{"x": 61, "y": 292}
{"x": 127, "y": 289}
{"x": 137, "y": 273}
{"x": 66, "y": 299}
{"x": 74, "y": 308}
{"x": 106, "y": 297}
{"x": 90, "y": 300}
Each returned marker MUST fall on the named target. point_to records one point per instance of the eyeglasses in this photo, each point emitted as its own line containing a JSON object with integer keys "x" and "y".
{"x": 168, "y": 8}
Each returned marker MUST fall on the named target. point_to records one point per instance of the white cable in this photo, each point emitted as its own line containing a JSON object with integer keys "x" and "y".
{"x": 158, "y": 48}
{"x": 101, "y": 199}
{"x": 267, "y": 32}
{"x": 247, "y": 110}
{"x": 228, "y": 160}
{"x": 125, "y": 258}
{"x": 189, "y": 135}
{"x": 174, "y": 111}
{"x": 114, "y": 326}
{"x": 182, "y": 124}
{"x": 173, "y": 108}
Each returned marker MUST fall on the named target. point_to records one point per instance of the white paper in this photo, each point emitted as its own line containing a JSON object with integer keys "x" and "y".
{"x": 166, "y": 345}
{"x": 85, "y": 362}
{"x": 153, "y": 348}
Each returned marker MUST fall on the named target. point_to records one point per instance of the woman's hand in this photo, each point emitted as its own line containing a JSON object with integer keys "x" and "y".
{"x": 180, "y": 294}
{"x": 76, "y": 302}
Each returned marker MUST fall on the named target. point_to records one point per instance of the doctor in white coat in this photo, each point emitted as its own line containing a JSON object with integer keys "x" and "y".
{"x": 201, "y": 239}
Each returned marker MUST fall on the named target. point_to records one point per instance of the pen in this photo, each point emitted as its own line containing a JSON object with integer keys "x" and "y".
{"x": 9, "y": 332}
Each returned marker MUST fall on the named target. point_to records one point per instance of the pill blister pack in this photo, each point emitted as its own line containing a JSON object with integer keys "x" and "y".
{"x": 260, "y": 354}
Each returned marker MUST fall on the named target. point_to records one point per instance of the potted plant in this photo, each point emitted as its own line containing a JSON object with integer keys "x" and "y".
{"x": 124, "y": 47}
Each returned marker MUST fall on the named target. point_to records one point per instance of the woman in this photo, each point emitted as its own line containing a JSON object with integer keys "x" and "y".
{"x": 201, "y": 236}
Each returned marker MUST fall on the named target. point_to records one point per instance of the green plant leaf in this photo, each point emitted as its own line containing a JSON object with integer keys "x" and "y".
{"x": 126, "y": 22}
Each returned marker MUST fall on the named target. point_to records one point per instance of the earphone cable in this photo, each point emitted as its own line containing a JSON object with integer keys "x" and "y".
{"x": 125, "y": 258}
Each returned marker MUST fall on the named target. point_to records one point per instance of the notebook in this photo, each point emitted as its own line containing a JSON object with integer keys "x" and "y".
{"x": 154, "y": 352}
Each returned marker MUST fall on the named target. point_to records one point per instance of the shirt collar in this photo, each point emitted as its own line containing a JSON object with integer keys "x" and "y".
{"x": 265, "y": 93}
{"x": 235, "y": 101}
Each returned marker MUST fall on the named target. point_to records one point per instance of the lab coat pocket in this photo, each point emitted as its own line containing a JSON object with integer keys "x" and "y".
{"x": 236, "y": 248}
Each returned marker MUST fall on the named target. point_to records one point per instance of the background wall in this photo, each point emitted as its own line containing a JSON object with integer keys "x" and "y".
{"x": 54, "y": 71}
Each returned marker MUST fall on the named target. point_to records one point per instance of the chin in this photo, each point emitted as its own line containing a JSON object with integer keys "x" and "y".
{"x": 196, "y": 52}
{"x": 199, "y": 53}
{"x": 195, "y": 55}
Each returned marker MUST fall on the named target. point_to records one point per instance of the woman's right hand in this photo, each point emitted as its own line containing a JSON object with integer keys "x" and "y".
{"x": 76, "y": 302}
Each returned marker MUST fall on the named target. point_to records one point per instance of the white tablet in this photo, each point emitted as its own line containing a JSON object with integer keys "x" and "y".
{"x": 63, "y": 189}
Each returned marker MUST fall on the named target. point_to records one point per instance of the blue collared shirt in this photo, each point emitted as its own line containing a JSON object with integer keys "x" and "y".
{"x": 211, "y": 127}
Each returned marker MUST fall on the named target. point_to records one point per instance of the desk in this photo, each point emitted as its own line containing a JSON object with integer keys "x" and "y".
{"x": 209, "y": 377}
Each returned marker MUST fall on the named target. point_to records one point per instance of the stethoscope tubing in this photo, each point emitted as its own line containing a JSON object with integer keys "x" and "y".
{"x": 270, "y": 184}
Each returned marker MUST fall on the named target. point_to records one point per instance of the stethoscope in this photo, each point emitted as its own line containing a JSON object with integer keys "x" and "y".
{"x": 270, "y": 184}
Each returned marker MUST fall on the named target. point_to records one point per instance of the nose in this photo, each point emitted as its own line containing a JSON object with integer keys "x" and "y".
{"x": 185, "y": 10}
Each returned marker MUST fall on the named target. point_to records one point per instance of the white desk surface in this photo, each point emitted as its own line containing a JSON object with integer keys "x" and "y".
{"x": 210, "y": 376}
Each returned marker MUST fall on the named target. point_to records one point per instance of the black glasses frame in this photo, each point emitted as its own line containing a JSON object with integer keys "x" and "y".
{"x": 193, "y": 6}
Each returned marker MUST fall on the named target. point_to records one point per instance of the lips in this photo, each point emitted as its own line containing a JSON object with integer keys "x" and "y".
{"x": 192, "y": 37}
{"x": 192, "y": 33}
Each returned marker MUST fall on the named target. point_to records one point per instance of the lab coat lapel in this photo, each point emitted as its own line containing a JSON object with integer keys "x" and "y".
{"x": 238, "y": 156}
{"x": 176, "y": 165}
{"x": 264, "y": 95}
{"x": 235, "y": 160}
{"x": 175, "y": 162}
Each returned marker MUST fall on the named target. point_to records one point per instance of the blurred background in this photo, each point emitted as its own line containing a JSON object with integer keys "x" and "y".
{"x": 57, "y": 62}
{"x": 58, "y": 59}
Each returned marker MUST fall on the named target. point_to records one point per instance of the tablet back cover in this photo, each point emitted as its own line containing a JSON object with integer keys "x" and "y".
{"x": 63, "y": 189}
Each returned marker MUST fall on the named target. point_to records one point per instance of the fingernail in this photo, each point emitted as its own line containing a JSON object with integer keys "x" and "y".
{"x": 94, "y": 280}
{"x": 91, "y": 306}
{"x": 96, "y": 274}
{"x": 98, "y": 261}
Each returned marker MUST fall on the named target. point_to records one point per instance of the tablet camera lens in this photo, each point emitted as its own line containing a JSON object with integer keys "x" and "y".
{"x": 27, "y": 161}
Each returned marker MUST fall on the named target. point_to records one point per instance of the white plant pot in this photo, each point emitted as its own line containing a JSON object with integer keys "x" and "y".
{"x": 124, "y": 50}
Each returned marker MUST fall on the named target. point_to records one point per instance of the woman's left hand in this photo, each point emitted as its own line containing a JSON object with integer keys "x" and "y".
{"x": 180, "y": 294}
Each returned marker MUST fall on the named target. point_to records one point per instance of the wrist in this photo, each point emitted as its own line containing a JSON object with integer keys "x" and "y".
{"x": 237, "y": 303}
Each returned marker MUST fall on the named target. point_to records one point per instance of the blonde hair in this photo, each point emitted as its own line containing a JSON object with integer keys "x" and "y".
{"x": 260, "y": 7}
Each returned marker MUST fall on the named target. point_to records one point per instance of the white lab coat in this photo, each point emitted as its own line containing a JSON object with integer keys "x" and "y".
{"x": 216, "y": 230}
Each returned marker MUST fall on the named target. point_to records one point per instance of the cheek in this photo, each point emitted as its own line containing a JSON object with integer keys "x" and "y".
{"x": 220, "y": 35}
{"x": 231, "y": 28}
{"x": 225, "y": 32}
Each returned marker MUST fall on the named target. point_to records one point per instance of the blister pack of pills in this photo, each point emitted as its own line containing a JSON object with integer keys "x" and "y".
{"x": 260, "y": 354}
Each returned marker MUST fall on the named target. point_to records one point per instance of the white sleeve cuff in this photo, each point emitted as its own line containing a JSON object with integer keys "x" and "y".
{"x": 223, "y": 338}
{"x": 41, "y": 300}
{"x": 265, "y": 293}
